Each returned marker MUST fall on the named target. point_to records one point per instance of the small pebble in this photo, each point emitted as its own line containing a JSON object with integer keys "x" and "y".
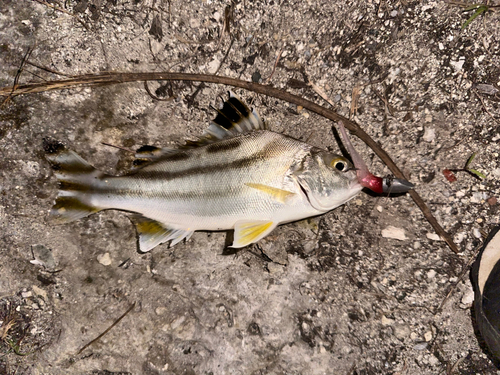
{"x": 420, "y": 346}
{"x": 428, "y": 336}
{"x": 194, "y": 23}
{"x": 394, "y": 233}
{"x": 429, "y": 134}
{"x": 433, "y": 236}
{"x": 467, "y": 298}
{"x": 431, "y": 274}
{"x": 433, "y": 360}
{"x": 401, "y": 331}
{"x": 387, "y": 321}
{"x": 104, "y": 259}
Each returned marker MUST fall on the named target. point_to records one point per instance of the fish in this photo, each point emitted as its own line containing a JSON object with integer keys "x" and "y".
{"x": 238, "y": 175}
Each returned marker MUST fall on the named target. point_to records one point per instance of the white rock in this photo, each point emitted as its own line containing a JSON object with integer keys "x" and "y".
{"x": 428, "y": 336}
{"x": 433, "y": 236}
{"x": 27, "y": 294}
{"x": 429, "y": 134}
{"x": 194, "y": 23}
{"x": 459, "y": 237}
{"x": 468, "y": 298}
{"x": 213, "y": 66}
{"x": 457, "y": 65}
{"x": 394, "y": 233}
{"x": 104, "y": 259}
{"x": 478, "y": 197}
{"x": 401, "y": 331}
{"x": 387, "y": 321}
{"x": 433, "y": 360}
{"x": 431, "y": 274}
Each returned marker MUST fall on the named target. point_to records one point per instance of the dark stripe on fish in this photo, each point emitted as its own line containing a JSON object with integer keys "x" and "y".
{"x": 230, "y": 144}
{"x": 73, "y": 186}
{"x": 266, "y": 152}
{"x": 222, "y": 120}
{"x": 165, "y": 194}
{"x": 71, "y": 168}
{"x": 239, "y": 107}
{"x": 181, "y": 155}
{"x": 147, "y": 149}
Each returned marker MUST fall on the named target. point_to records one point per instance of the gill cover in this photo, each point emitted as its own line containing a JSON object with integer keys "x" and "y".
{"x": 328, "y": 180}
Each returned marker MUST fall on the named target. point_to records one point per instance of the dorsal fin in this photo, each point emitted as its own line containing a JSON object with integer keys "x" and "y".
{"x": 232, "y": 119}
{"x": 147, "y": 154}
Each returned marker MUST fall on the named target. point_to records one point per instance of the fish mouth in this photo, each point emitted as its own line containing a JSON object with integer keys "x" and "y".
{"x": 366, "y": 179}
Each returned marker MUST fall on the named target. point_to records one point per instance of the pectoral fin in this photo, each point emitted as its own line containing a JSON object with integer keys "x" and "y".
{"x": 247, "y": 232}
{"x": 153, "y": 233}
{"x": 278, "y": 194}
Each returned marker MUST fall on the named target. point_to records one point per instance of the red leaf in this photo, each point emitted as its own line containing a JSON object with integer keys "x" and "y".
{"x": 450, "y": 176}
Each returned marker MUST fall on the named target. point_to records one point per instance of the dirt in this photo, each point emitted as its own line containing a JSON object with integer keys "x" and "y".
{"x": 333, "y": 294}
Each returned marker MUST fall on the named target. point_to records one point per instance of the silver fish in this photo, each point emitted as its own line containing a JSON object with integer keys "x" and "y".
{"x": 238, "y": 175}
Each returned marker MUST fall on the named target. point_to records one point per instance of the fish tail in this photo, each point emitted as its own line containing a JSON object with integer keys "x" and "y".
{"x": 76, "y": 178}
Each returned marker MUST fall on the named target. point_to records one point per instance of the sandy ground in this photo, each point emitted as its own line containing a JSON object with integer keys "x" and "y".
{"x": 338, "y": 294}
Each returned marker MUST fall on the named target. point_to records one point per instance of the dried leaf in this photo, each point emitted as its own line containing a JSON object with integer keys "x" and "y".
{"x": 450, "y": 176}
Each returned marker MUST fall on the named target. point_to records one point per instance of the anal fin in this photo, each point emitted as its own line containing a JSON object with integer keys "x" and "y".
{"x": 153, "y": 233}
{"x": 247, "y": 232}
{"x": 279, "y": 195}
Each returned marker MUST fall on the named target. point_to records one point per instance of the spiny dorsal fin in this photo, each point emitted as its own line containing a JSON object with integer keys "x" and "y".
{"x": 147, "y": 154}
{"x": 153, "y": 233}
{"x": 232, "y": 119}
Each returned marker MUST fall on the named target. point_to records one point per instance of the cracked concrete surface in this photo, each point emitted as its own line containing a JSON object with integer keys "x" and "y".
{"x": 343, "y": 293}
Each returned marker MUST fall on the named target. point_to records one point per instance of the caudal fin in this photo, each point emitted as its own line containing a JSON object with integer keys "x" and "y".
{"x": 76, "y": 178}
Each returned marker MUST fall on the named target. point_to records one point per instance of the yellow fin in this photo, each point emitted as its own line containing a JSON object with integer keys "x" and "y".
{"x": 153, "y": 233}
{"x": 247, "y": 232}
{"x": 278, "y": 194}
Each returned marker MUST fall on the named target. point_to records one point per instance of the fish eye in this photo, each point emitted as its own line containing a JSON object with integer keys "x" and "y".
{"x": 339, "y": 165}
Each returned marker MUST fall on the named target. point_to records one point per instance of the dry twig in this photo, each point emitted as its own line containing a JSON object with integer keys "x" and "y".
{"x": 108, "y": 329}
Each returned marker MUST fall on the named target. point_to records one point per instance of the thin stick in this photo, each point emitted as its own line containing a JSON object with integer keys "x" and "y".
{"x": 275, "y": 64}
{"x": 113, "y": 78}
{"x": 118, "y": 147}
{"x": 484, "y": 106}
{"x": 19, "y": 72}
{"x": 47, "y": 69}
{"x": 108, "y": 329}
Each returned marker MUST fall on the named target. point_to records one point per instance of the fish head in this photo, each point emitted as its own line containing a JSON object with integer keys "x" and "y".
{"x": 328, "y": 180}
